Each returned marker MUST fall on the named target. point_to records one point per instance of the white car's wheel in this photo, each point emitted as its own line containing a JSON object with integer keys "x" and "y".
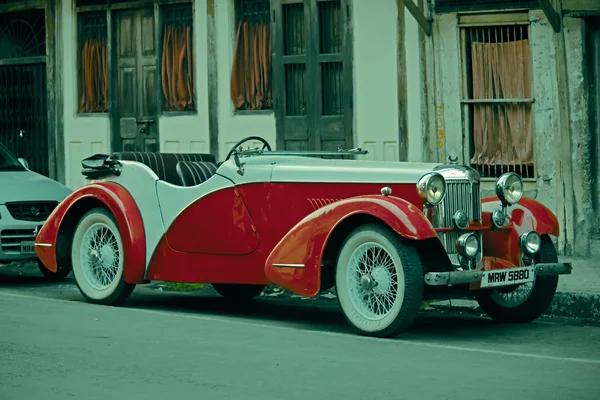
{"x": 379, "y": 281}
{"x": 98, "y": 259}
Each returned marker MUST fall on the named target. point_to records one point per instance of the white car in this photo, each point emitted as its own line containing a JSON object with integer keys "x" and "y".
{"x": 26, "y": 200}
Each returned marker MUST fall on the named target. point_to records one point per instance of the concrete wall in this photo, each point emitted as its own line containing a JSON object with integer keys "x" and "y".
{"x": 568, "y": 194}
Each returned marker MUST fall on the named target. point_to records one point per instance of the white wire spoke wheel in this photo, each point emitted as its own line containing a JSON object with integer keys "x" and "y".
{"x": 98, "y": 258}
{"x": 379, "y": 281}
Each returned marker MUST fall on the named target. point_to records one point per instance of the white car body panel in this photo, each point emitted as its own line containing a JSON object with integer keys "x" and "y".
{"x": 23, "y": 186}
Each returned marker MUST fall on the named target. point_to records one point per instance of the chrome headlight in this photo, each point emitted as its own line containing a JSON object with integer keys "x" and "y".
{"x": 467, "y": 245}
{"x": 530, "y": 242}
{"x": 509, "y": 188}
{"x": 431, "y": 188}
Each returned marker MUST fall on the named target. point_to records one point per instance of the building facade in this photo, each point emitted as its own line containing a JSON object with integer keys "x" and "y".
{"x": 502, "y": 85}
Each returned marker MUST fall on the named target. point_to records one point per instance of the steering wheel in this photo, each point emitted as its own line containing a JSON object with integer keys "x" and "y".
{"x": 266, "y": 144}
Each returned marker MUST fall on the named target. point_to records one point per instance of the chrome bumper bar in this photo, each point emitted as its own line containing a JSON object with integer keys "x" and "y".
{"x": 462, "y": 277}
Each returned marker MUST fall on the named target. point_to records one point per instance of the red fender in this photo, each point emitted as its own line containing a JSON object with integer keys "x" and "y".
{"x": 527, "y": 215}
{"x": 302, "y": 247}
{"x": 120, "y": 203}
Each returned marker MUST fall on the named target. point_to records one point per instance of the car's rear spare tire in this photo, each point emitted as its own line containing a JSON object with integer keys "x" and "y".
{"x": 526, "y": 302}
{"x": 379, "y": 281}
{"x": 98, "y": 259}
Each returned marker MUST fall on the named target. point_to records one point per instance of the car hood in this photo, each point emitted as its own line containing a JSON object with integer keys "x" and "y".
{"x": 30, "y": 186}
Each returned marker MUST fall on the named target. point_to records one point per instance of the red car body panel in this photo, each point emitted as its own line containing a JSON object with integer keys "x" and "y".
{"x": 201, "y": 226}
{"x": 129, "y": 220}
{"x": 217, "y": 223}
{"x": 305, "y": 243}
{"x": 527, "y": 215}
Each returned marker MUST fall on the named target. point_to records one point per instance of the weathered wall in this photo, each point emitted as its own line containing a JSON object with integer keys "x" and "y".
{"x": 564, "y": 176}
{"x": 580, "y": 133}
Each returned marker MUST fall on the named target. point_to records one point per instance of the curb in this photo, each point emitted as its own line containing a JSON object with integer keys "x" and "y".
{"x": 576, "y": 305}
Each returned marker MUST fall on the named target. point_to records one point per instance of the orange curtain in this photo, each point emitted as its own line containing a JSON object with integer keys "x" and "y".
{"x": 251, "y": 71}
{"x": 94, "y": 74}
{"x": 502, "y": 132}
{"x": 178, "y": 68}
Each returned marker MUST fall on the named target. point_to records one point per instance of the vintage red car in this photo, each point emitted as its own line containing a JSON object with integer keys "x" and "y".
{"x": 385, "y": 234}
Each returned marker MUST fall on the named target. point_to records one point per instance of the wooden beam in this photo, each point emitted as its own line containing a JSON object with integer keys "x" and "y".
{"x": 418, "y": 15}
{"x": 22, "y": 5}
{"x": 213, "y": 100}
{"x": 402, "y": 86}
{"x": 551, "y": 14}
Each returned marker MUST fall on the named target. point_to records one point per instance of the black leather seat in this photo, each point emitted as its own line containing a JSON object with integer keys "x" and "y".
{"x": 192, "y": 173}
{"x": 164, "y": 165}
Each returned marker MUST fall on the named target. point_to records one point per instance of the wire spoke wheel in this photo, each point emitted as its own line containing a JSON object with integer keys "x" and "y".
{"x": 98, "y": 258}
{"x": 379, "y": 281}
{"x": 373, "y": 281}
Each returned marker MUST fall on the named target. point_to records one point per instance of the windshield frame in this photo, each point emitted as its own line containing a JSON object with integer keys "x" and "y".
{"x": 8, "y": 159}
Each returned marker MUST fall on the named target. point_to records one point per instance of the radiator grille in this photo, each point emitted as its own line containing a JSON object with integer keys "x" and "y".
{"x": 10, "y": 239}
{"x": 31, "y": 211}
{"x": 460, "y": 195}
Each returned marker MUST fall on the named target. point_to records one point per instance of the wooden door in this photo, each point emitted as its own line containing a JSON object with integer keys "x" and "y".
{"x": 135, "y": 111}
{"x": 312, "y": 74}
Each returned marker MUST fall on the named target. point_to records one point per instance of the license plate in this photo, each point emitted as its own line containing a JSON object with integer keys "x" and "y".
{"x": 27, "y": 248}
{"x": 506, "y": 277}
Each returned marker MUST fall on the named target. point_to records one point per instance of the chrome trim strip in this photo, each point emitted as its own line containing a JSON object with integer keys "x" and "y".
{"x": 289, "y": 265}
{"x": 42, "y": 244}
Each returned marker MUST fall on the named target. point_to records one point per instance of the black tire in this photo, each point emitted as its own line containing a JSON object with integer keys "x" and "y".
{"x": 118, "y": 290}
{"x": 60, "y": 274}
{"x": 401, "y": 261}
{"x": 536, "y": 303}
{"x": 238, "y": 292}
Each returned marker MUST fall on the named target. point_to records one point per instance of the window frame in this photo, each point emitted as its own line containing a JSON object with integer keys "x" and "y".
{"x": 493, "y": 20}
{"x": 108, "y": 7}
{"x": 234, "y": 20}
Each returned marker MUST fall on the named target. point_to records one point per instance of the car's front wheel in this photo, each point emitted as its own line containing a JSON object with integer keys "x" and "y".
{"x": 379, "y": 281}
{"x": 528, "y": 301}
{"x": 61, "y": 272}
{"x": 98, "y": 259}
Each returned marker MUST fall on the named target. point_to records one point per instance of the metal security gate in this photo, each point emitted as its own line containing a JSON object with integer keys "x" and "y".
{"x": 23, "y": 87}
{"x": 23, "y": 116}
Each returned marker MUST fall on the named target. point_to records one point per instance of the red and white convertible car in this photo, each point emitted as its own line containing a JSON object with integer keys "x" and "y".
{"x": 385, "y": 234}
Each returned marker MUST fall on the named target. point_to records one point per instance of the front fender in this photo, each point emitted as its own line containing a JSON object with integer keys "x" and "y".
{"x": 295, "y": 263}
{"x": 527, "y": 215}
{"x": 54, "y": 239}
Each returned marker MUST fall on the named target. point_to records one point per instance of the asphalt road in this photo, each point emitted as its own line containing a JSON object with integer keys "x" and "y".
{"x": 184, "y": 346}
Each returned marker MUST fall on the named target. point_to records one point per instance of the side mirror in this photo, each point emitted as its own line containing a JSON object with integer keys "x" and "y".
{"x": 23, "y": 162}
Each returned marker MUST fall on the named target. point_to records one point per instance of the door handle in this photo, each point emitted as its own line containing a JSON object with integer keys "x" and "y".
{"x": 144, "y": 121}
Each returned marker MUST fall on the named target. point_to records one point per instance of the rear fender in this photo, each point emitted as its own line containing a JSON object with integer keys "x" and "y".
{"x": 527, "y": 215}
{"x": 295, "y": 263}
{"x": 53, "y": 242}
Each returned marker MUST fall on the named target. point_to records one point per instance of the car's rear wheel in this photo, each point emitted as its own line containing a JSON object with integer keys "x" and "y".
{"x": 528, "y": 301}
{"x": 61, "y": 272}
{"x": 98, "y": 259}
{"x": 238, "y": 292}
{"x": 379, "y": 281}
